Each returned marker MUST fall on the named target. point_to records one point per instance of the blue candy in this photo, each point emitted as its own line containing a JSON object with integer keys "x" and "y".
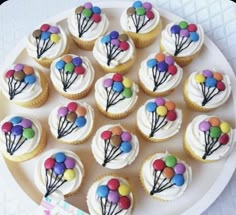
{"x": 106, "y": 39}
{"x": 117, "y": 87}
{"x": 151, "y": 63}
{"x": 102, "y": 191}
{"x": 125, "y": 147}
{"x": 96, "y": 10}
{"x": 59, "y": 168}
{"x": 137, "y": 4}
{"x": 77, "y": 61}
{"x": 16, "y": 120}
{"x": 175, "y": 29}
{"x": 60, "y": 64}
{"x": 163, "y": 66}
{"x": 17, "y": 130}
{"x": 45, "y": 35}
{"x": 151, "y": 106}
{"x": 178, "y": 180}
{"x": 210, "y": 82}
{"x": 114, "y": 35}
{"x": 194, "y": 36}
{"x": 80, "y": 121}
{"x": 30, "y": 79}
{"x": 60, "y": 157}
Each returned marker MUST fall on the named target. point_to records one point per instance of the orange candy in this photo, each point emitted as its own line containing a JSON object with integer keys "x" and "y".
{"x": 218, "y": 76}
{"x": 81, "y": 111}
{"x": 160, "y": 57}
{"x": 170, "y": 105}
{"x": 168, "y": 172}
{"x": 67, "y": 58}
{"x": 28, "y": 70}
{"x": 116, "y": 130}
{"x": 214, "y": 121}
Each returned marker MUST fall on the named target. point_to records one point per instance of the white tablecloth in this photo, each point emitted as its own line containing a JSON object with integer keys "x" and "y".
{"x": 19, "y": 17}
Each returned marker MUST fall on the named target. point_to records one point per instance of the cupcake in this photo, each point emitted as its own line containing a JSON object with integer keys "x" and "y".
{"x": 114, "y": 147}
{"x": 47, "y": 43}
{"x": 86, "y": 23}
{"x": 159, "y": 75}
{"x": 25, "y": 86}
{"x": 142, "y": 23}
{"x": 115, "y": 95}
{"x": 58, "y": 173}
{"x": 159, "y": 119}
{"x": 206, "y": 90}
{"x": 182, "y": 40}
{"x": 73, "y": 123}
{"x": 208, "y": 138}
{"x": 115, "y": 52}
{"x": 110, "y": 195}
{"x": 72, "y": 76}
{"x": 165, "y": 177}
{"x": 21, "y": 138}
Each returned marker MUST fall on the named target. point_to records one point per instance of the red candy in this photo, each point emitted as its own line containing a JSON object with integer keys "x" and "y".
{"x": 105, "y": 135}
{"x": 224, "y": 139}
{"x": 171, "y": 115}
{"x": 10, "y": 73}
{"x": 44, "y": 27}
{"x": 6, "y": 127}
{"x": 158, "y": 165}
{"x": 79, "y": 70}
{"x": 117, "y": 77}
{"x": 172, "y": 69}
{"x": 192, "y": 27}
{"x": 220, "y": 86}
{"x": 124, "y": 45}
{"x": 96, "y": 18}
{"x": 72, "y": 106}
{"x": 113, "y": 184}
{"x": 124, "y": 202}
{"x": 149, "y": 14}
{"x": 49, "y": 163}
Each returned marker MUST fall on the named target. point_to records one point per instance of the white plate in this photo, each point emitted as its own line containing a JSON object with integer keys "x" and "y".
{"x": 208, "y": 179}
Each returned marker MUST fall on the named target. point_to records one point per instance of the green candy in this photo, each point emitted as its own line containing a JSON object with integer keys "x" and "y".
{"x": 28, "y": 133}
{"x": 127, "y": 93}
{"x": 215, "y": 132}
{"x": 170, "y": 161}
{"x": 183, "y": 25}
{"x": 140, "y": 11}
{"x": 87, "y": 13}
{"x": 69, "y": 67}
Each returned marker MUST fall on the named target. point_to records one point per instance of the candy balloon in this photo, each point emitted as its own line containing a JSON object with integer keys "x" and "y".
{"x": 224, "y": 139}
{"x": 207, "y": 73}
{"x": 168, "y": 172}
{"x": 211, "y": 82}
{"x": 6, "y": 127}
{"x": 123, "y": 37}
{"x": 124, "y": 202}
{"x": 162, "y": 66}
{"x": 199, "y": 78}
{"x": 18, "y": 67}
{"x": 17, "y": 130}
{"x": 69, "y": 174}
{"x": 59, "y": 168}
{"x": 158, "y": 165}
{"x": 71, "y": 117}
{"x": 62, "y": 111}
{"x": 124, "y": 189}
{"x": 105, "y": 135}
{"x": 151, "y": 63}
{"x": 150, "y": 14}
{"x": 160, "y": 101}
{"x": 107, "y": 82}
{"x": 171, "y": 115}
{"x": 220, "y": 86}
{"x": 30, "y": 79}
{"x": 115, "y": 42}
{"x": 28, "y": 70}
{"x": 69, "y": 67}
{"x": 45, "y": 27}
{"x": 127, "y": 82}
{"x": 113, "y": 184}
{"x": 194, "y": 36}
{"x": 204, "y": 126}
{"x": 28, "y": 133}
{"x": 67, "y": 58}
{"x": 114, "y": 35}
{"x": 170, "y": 161}
{"x": 162, "y": 110}
{"x": 218, "y": 76}
{"x": 10, "y": 73}
{"x": 19, "y": 76}
{"x": 125, "y": 147}
{"x": 96, "y": 18}
{"x": 117, "y": 87}
{"x": 169, "y": 60}
{"x": 60, "y": 157}
{"x": 49, "y": 163}
{"x": 175, "y": 29}
{"x": 117, "y": 77}
{"x": 116, "y": 130}
{"x": 147, "y": 5}
{"x": 102, "y": 191}
{"x": 96, "y": 10}
{"x": 80, "y": 121}
{"x": 170, "y": 105}
{"x": 215, "y": 132}
{"x": 106, "y": 39}
{"x": 151, "y": 106}
{"x": 81, "y": 111}
{"x": 140, "y": 11}
{"x": 54, "y": 30}
{"x": 60, "y": 64}
{"x": 137, "y": 4}
{"x": 184, "y": 33}
{"x": 36, "y": 34}
{"x": 88, "y": 5}
{"x": 77, "y": 61}
{"x": 55, "y": 38}
{"x": 178, "y": 180}
{"x": 127, "y": 93}
{"x": 130, "y": 11}
{"x": 183, "y": 24}
{"x": 79, "y": 70}
{"x": 69, "y": 163}
{"x": 115, "y": 140}
{"x": 113, "y": 197}
{"x": 45, "y": 35}
{"x": 87, "y": 12}
{"x": 192, "y": 27}
{"x": 214, "y": 121}
{"x": 126, "y": 136}
{"x": 72, "y": 106}
{"x": 16, "y": 120}
{"x": 179, "y": 168}
{"x": 225, "y": 127}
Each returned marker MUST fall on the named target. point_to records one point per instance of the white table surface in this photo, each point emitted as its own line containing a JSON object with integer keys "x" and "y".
{"x": 19, "y": 17}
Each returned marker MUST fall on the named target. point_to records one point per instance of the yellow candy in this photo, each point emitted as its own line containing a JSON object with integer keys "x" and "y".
{"x": 124, "y": 190}
{"x": 69, "y": 174}
{"x": 161, "y": 110}
{"x": 199, "y": 78}
{"x": 55, "y": 38}
{"x": 127, "y": 83}
{"x": 225, "y": 127}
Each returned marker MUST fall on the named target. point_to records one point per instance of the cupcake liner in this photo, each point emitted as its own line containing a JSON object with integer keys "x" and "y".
{"x": 85, "y": 45}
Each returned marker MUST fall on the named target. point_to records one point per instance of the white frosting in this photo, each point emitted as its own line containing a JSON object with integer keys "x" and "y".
{"x": 127, "y": 23}
{"x": 77, "y": 134}
{"x": 196, "y": 141}
{"x": 96, "y": 30}
{"x": 148, "y": 178}
{"x": 194, "y": 92}
{"x": 55, "y": 51}
{"x": 28, "y": 94}
{"x": 67, "y": 187}
{"x": 146, "y": 77}
{"x": 30, "y": 144}
{"x": 122, "y": 106}
{"x": 168, "y": 42}
{"x": 100, "y": 54}
{"x": 98, "y": 149}
{"x": 80, "y": 84}
{"x": 93, "y": 201}
{"x": 144, "y": 119}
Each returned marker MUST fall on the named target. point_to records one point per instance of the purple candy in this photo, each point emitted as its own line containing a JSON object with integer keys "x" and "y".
{"x": 18, "y": 67}
{"x": 126, "y": 136}
{"x": 26, "y": 123}
{"x": 163, "y": 66}
{"x": 59, "y": 168}
{"x": 88, "y": 5}
{"x": 184, "y": 33}
{"x": 62, "y": 111}
{"x": 69, "y": 163}
{"x": 204, "y": 126}
{"x": 179, "y": 168}
{"x": 207, "y": 73}
{"x": 113, "y": 197}
{"x": 169, "y": 60}
{"x": 160, "y": 101}
{"x": 147, "y": 5}
{"x": 54, "y": 30}
{"x": 115, "y": 42}
{"x": 107, "y": 82}
{"x": 17, "y": 130}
